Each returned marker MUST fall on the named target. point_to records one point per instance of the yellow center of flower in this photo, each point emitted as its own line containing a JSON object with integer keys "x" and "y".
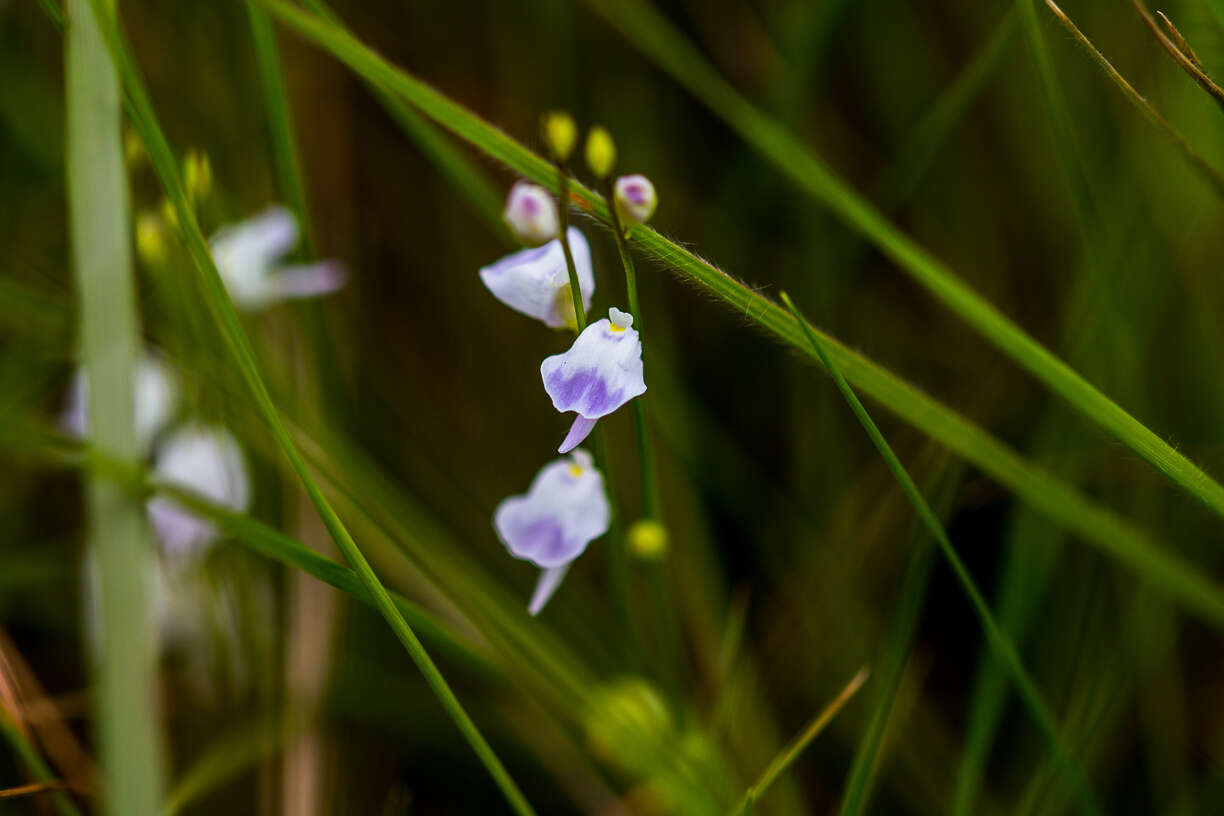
{"x": 575, "y": 470}
{"x": 615, "y": 328}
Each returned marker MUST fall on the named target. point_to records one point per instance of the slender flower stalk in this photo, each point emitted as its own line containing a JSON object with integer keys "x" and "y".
{"x": 109, "y": 341}
{"x": 618, "y": 569}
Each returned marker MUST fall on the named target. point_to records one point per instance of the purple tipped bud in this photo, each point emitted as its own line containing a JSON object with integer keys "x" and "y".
{"x": 532, "y": 213}
{"x": 635, "y": 199}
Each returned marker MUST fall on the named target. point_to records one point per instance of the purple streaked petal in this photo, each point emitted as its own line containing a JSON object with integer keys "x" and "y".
{"x": 547, "y": 584}
{"x": 577, "y": 432}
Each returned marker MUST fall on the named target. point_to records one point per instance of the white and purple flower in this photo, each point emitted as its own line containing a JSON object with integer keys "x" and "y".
{"x": 248, "y": 256}
{"x": 207, "y": 461}
{"x": 600, "y": 373}
{"x": 536, "y": 281}
{"x": 551, "y": 524}
{"x": 155, "y": 400}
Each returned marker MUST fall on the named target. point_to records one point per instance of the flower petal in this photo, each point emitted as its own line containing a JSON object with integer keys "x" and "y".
{"x": 204, "y": 460}
{"x": 563, "y": 511}
{"x": 547, "y": 584}
{"x": 577, "y": 432}
{"x": 534, "y": 281}
{"x": 156, "y": 396}
{"x": 308, "y": 280}
{"x": 600, "y": 372}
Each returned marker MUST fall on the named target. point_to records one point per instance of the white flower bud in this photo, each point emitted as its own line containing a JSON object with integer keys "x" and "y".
{"x": 531, "y": 213}
{"x": 635, "y": 199}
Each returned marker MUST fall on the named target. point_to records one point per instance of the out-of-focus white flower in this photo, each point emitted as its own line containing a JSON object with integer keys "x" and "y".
{"x": 207, "y": 461}
{"x": 635, "y": 199}
{"x": 531, "y": 213}
{"x": 248, "y": 256}
{"x": 536, "y": 281}
{"x": 600, "y": 373}
{"x": 550, "y": 525}
{"x": 156, "y": 398}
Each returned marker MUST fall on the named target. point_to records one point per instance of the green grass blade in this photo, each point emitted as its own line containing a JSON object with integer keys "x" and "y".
{"x": 999, "y": 641}
{"x": 649, "y": 31}
{"x": 162, "y": 159}
{"x": 892, "y": 661}
{"x": 1053, "y": 498}
{"x": 126, "y": 666}
{"x": 787, "y": 756}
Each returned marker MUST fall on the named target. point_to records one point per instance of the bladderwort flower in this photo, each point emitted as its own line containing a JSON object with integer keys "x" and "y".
{"x": 531, "y": 213}
{"x": 635, "y": 199}
{"x": 536, "y": 282}
{"x": 550, "y": 525}
{"x": 155, "y": 400}
{"x": 248, "y": 257}
{"x": 205, "y": 460}
{"x": 600, "y": 373}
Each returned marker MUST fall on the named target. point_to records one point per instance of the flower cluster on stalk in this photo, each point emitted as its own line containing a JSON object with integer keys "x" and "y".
{"x": 566, "y": 507}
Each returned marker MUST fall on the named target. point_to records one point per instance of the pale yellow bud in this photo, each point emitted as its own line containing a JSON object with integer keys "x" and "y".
{"x": 600, "y": 152}
{"x": 151, "y": 243}
{"x": 197, "y": 175}
{"x": 648, "y": 540}
{"x": 560, "y": 134}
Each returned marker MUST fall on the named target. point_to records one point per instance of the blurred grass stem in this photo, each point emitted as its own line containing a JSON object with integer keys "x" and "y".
{"x": 998, "y": 639}
{"x": 126, "y": 659}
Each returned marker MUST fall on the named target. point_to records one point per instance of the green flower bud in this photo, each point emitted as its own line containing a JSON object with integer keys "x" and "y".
{"x": 648, "y": 540}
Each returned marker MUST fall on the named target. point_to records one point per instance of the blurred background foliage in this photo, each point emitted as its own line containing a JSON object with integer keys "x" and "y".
{"x": 792, "y": 551}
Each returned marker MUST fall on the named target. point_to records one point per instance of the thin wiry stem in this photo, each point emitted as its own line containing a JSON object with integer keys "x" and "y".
{"x": 790, "y": 753}
{"x": 1212, "y": 175}
{"x": 1190, "y": 66}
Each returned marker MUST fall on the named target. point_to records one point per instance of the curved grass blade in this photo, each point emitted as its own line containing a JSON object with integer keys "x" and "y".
{"x": 1050, "y": 496}
{"x": 647, "y": 30}
{"x": 998, "y": 639}
{"x": 145, "y": 122}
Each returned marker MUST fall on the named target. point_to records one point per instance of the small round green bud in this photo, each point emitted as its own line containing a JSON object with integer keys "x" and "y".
{"x": 600, "y": 152}
{"x": 635, "y": 199}
{"x": 648, "y": 540}
{"x": 560, "y": 134}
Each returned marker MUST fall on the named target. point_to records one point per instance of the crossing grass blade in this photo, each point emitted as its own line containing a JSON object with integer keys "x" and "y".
{"x": 1055, "y": 499}
{"x": 238, "y": 347}
{"x": 999, "y": 640}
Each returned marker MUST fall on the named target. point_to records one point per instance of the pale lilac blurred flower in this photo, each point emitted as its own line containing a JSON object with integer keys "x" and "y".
{"x": 550, "y": 525}
{"x": 635, "y": 199}
{"x": 531, "y": 213}
{"x": 156, "y": 398}
{"x": 248, "y": 256}
{"x": 207, "y": 461}
{"x": 536, "y": 281}
{"x": 600, "y": 373}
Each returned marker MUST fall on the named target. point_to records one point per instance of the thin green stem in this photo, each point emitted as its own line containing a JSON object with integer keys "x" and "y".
{"x": 284, "y": 150}
{"x": 998, "y": 639}
{"x": 641, "y": 425}
{"x": 791, "y": 752}
{"x": 237, "y": 344}
{"x": 563, "y": 205}
{"x": 126, "y": 660}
